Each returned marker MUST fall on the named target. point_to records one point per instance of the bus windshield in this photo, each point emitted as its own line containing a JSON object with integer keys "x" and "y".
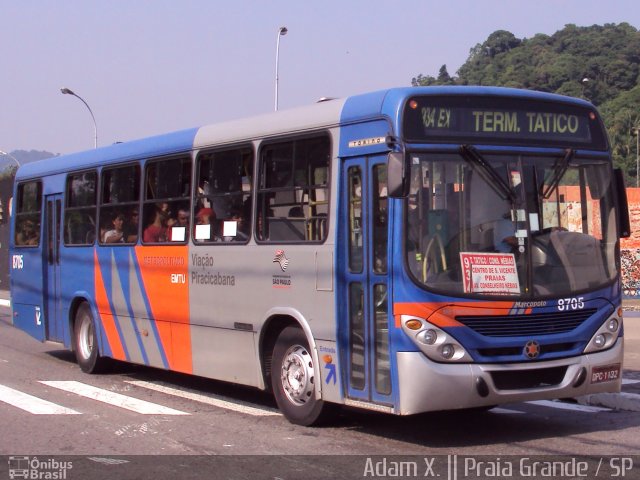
{"x": 510, "y": 224}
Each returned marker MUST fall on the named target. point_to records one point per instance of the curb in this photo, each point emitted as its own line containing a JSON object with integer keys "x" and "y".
{"x": 629, "y": 402}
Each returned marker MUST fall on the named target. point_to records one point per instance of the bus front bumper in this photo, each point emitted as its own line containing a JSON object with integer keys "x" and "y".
{"x": 428, "y": 386}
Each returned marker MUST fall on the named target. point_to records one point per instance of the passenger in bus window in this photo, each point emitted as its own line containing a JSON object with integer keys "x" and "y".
{"x": 204, "y": 190}
{"x": 180, "y": 226}
{"x": 205, "y": 224}
{"x": 182, "y": 220}
{"x": 169, "y": 221}
{"x": 28, "y": 235}
{"x": 234, "y": 229}
{"x": 131, "y": 226}
{"x": 156, "y": 231}
{"x": 116, "y": 234}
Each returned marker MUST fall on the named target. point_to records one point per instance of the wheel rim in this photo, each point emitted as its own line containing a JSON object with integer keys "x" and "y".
{"x": 85, "y": 338}
{"x": 297, "y": 375}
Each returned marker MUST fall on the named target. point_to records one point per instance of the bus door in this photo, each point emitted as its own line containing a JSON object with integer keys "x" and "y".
{"x": 365, "y": 334}
{"x": 51, "y": 247}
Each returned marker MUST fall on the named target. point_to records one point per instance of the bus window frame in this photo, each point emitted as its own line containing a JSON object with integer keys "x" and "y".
{"x": 67, "y": 207}
{"x": 314, "y": 135}
{"x": 40, "y": 193}
{"x": 129, "y": 204}
{"x": 198, "y": 197}
{"x": 145, "y": 202}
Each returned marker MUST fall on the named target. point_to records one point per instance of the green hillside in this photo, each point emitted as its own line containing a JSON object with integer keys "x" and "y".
{"x": 598, "y": 63}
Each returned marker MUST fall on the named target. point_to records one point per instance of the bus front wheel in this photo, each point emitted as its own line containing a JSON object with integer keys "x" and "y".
{"x": 293, "y": 379}
{"x": 86, "y": 341}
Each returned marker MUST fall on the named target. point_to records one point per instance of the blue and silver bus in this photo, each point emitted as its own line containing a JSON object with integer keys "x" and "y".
{"x": 404, "y": 251}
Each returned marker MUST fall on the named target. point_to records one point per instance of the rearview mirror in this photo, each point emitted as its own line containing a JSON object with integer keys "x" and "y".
{"x": 624, "y": 223}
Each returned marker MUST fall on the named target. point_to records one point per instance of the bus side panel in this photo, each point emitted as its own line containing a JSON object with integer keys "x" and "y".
{"x": 29, "y": 318}
{"x": 110, "y": 329}
{"x": 26, "y": 291}
{"x": 164, "y": 286}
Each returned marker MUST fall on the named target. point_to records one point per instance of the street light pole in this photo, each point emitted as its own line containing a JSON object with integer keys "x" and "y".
{"x": 2, "y": 152}
{"x": 282, "y": 31}
{"x": 66, "y": 91}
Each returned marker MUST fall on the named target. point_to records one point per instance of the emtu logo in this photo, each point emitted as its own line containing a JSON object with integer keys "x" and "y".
{"x": 281, "y": 259}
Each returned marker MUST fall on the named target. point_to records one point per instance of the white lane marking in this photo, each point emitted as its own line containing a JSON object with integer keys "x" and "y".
{"x": 216, "y": 401}
{"x": 5, "y": 303}
{"x": 568, "y": 406}
{"x": 629, "y": 381}
{"x": 112, "y": 398}
{"x": 32, "y": 404}
{"x": 2, "y": 360}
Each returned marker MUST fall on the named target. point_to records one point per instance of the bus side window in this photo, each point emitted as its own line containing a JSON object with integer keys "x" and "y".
{"x": 166, "y": 199}
{"x": 28, "y": 214}
{"x": 223, "y": 198}
{"x": 80, "y": 209}
{"x": 293, "y": 195}
{"x": 119, "y": 205}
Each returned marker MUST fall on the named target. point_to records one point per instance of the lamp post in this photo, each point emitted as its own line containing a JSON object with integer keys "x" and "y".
{"x": 585, "y": 84}
{"x": 2, "y": 152}
{"x": 66, "y": 91}
{"x": 282, "y": 31}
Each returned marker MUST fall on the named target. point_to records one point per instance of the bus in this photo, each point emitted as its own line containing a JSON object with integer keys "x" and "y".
{"x": 402, "y": 251}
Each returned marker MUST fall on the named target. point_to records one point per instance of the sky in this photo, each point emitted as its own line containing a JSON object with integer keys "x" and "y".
{"x": 147, "y": 67}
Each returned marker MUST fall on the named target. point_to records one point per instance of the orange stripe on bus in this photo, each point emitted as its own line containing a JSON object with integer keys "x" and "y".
{"x": 105, "y": 314}
{"x": 181, "y": 341}
{"x": 442, "y": 314}
{"x": 164, "y": 271}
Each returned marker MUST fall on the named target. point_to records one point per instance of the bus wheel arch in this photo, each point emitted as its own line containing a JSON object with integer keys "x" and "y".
{"x": 290, "y": 366}
{"x": 84, "y": 338}
{"x": 268, "y": 338}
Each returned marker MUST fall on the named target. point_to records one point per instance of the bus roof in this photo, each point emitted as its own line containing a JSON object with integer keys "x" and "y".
{"x": 167, "y": 144}
{"x": 323, "y": 114}
{"x": 379, "y": 104}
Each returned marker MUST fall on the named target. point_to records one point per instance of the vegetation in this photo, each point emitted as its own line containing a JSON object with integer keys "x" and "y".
{"x": 598, "y": 63}
{"x": 8, "y": 167}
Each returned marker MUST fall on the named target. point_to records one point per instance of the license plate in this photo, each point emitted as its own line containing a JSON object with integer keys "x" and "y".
{"x": 608, "y": 373}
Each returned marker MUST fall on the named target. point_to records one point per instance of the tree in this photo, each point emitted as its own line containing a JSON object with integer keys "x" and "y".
{"x": 609, "y": 56}
{"x": 500, "y": 41}
{"x": 621, "y": 116}
{"x": 443, "y": 76}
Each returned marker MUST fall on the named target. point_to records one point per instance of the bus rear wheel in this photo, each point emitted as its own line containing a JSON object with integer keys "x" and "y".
{"x": 86, "y": 341}
{"x": 293, "y": 379}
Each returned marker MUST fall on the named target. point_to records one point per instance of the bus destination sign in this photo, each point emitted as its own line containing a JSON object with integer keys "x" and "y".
{"x": 432, "y": 119}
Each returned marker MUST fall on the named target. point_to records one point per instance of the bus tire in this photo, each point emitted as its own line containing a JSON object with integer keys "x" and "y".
{"x": 85, "y": 340}
{"x": 293, "y": 379}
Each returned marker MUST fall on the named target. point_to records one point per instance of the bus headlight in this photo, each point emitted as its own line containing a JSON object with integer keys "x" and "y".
{"x": 434, "y": 342}
{"x": 447, "y": 351}
{"x": 428, "y": 337}
{"x": 606, "y": 336}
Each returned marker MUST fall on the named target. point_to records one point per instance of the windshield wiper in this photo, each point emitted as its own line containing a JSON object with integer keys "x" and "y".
{"x": 493, "y": 178}
{"x": 559, "y": 169}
